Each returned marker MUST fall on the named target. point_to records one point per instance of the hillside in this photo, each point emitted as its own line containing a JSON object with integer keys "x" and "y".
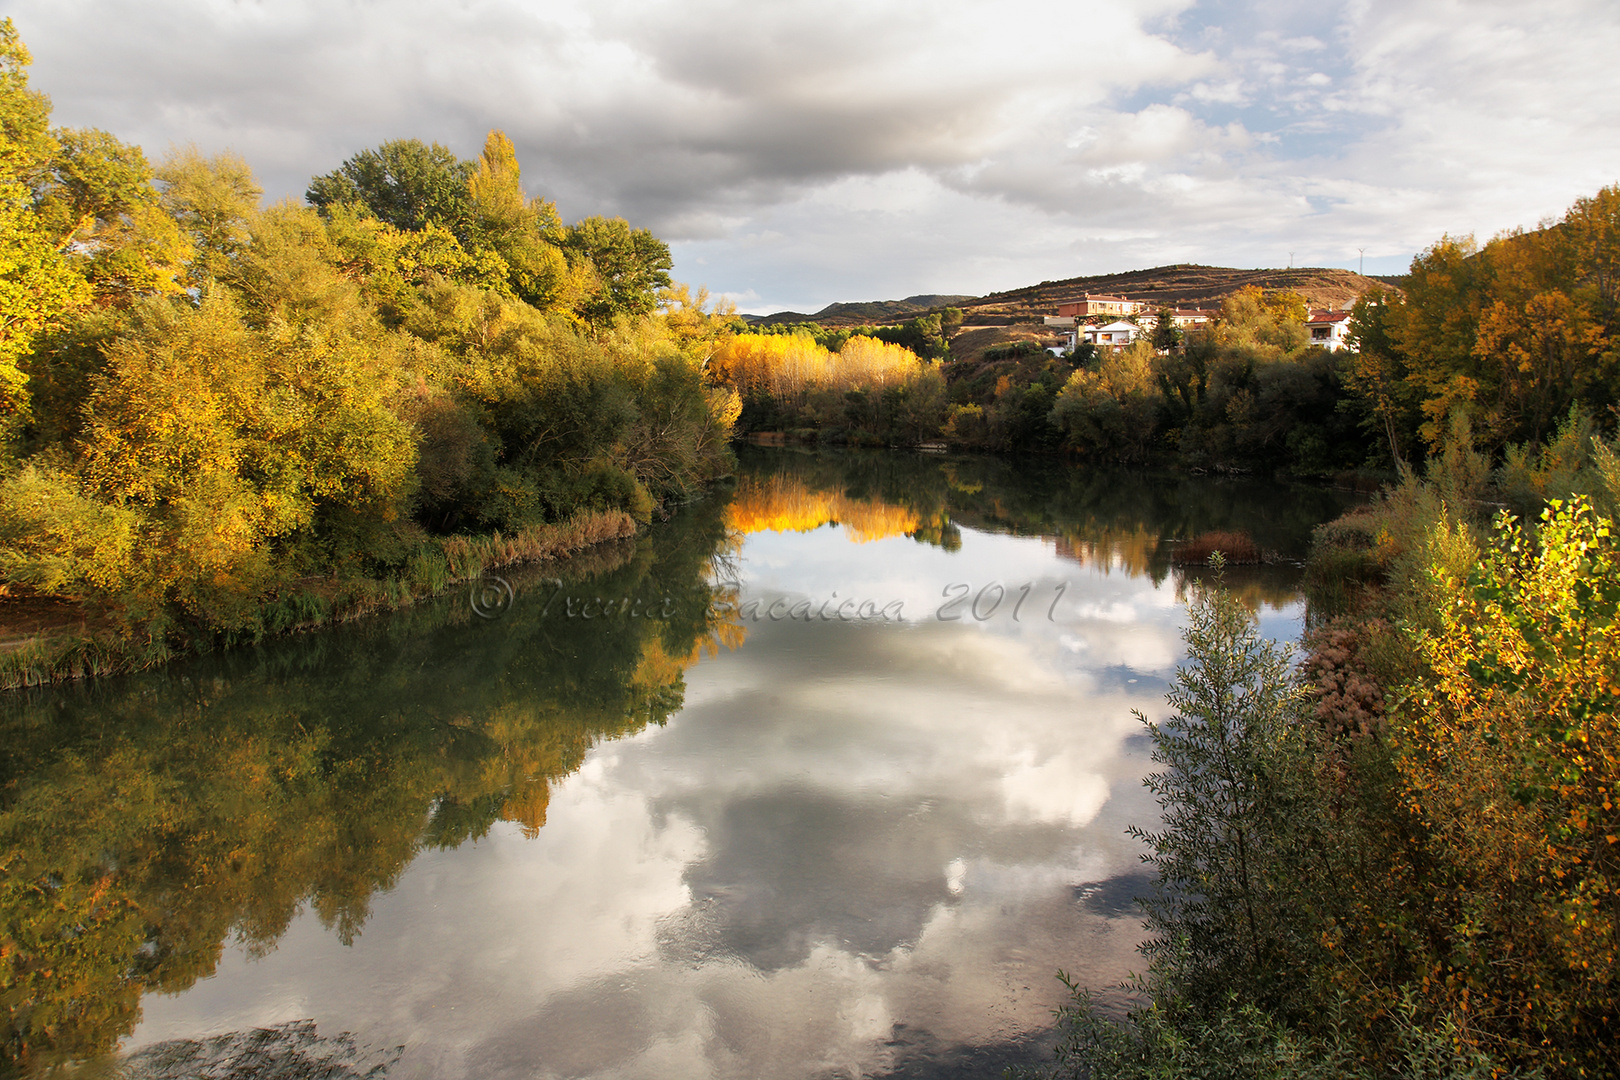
{"x": 1181, "y": 286}
{"x": 867, "y": 312}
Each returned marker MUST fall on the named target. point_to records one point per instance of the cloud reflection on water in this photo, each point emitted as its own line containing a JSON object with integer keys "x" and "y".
{"x": 856, "y": 844}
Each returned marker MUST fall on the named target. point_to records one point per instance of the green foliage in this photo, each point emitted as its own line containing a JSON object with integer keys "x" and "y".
{"x": 25, "y": 114}
{"x": 404, "y": 182}
{"x": 1247, "y": 393}
{"x": 57, "y": 539}
{"x": 1166, "y": 336}
{"x": 524, "y": 233}
{"x": 214, "y": 201}
{"x": 98, "y": 199}
{"x": 925, "y": 335}
{"x": 39, "y": 286}
{"x": 1221, "y": 918}
{"x": 630, "y": 267}
{"x": 1111, "y": 411}
{"x": 1242, "y": 1042}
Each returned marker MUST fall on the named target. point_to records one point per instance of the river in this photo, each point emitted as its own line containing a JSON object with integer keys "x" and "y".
{"x": 826, "y": 776}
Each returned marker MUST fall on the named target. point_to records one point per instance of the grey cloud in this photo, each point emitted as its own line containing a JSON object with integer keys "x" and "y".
{"x": 654, "y": 111}
{"x": 718, "y": 122}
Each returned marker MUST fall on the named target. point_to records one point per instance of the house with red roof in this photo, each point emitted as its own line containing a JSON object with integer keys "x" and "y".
{"x": 1329, "y": 329}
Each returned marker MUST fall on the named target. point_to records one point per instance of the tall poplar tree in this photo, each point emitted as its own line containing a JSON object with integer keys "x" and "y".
{"x": 38, "y": 285}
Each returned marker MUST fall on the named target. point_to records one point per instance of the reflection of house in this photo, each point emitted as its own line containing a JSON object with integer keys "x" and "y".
{"x": 1090, "y": 307}
{"x": 1329, "y": 329}
{"x": 1112, "y": 335}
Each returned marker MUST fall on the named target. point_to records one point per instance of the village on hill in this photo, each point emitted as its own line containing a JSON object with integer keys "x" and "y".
{"x": 1116, "y": 321}
{"x": 1107, "y": 310}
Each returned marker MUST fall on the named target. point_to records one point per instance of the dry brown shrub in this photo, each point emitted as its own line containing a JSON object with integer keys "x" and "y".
{"x": 1349, "y": 700}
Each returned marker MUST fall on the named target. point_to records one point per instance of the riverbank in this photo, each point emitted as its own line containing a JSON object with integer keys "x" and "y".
{"x": 43, "y": 640}
{"x": 1421, "y": 863}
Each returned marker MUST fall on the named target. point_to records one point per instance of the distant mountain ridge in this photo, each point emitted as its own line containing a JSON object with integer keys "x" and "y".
{"x": 1183, "y": 285}
{"x": 860, "y": 313}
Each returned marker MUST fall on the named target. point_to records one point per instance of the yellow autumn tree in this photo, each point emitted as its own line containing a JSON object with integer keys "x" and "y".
{"x": 1509, "y": 757}
{"x": 38, "y": 283}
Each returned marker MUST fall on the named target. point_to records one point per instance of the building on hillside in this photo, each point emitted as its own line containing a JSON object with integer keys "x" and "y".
{"x": 1329, "y": 329}
{"x": 1090, "y": 307}
{"x": 1180, "y": 318}
{"x": 1196, "y": 317}
{"x": 1114, "y": 335}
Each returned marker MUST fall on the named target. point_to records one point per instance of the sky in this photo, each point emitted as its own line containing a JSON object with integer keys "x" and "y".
{"x": 795, "y": 154}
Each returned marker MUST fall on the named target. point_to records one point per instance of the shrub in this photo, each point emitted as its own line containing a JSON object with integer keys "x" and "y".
{"x": 1235, "y": 548}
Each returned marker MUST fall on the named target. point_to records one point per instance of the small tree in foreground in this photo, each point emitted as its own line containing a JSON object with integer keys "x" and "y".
{"x": 1215, "y": 915}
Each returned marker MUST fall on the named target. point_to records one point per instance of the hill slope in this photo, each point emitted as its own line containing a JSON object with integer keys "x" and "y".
{"x": 867, "y": 312}
{"x": 1181, "y": 286}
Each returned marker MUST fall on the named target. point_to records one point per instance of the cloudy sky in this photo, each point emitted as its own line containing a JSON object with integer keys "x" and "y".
{"x": 798, "y": 153}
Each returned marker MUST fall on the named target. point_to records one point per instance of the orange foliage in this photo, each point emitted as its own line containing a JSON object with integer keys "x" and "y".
{"x": 785, "y": 504}
{"x": 1131, "y": 549}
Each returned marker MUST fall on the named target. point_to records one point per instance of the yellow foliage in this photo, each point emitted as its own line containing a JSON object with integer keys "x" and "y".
{"x": 691, "y": 321}
{"x": 1510, "y": 759}
{"x": 785, "y": 504}
{"x": 788, "y": 367}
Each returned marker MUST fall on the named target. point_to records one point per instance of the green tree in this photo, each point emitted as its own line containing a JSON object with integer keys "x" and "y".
{"x": 630, "y": 265}
{"x": 98, "y": 199}
{"x": 1165, "y": 334}
{"x": 26, "y": 144}
{"x": 1220, "y": 913}
{"x": 524, "y": 232}
{"x": 1375, "y": 374}
{"x": 405, "y": 182}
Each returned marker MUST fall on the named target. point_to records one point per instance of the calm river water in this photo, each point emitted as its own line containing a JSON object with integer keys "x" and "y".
{"x": 828, "y": 776}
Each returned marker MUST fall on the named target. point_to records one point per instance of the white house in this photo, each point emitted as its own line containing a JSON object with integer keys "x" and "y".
{"x": 1329, "y": 329}
{"x": 1180, "y": 318}
{"x": 1114, "y": 335}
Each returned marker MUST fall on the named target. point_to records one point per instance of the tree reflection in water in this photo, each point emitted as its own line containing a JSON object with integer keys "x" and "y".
{"x": 149, "y": 821}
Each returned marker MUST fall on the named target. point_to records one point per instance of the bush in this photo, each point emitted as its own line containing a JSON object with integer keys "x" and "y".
{"x": 1235, "y": 549}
